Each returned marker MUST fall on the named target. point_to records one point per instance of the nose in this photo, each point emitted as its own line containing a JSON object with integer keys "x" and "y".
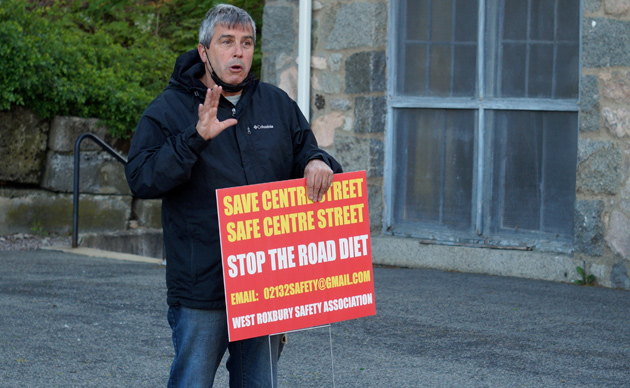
{"x": 238, "y": 51}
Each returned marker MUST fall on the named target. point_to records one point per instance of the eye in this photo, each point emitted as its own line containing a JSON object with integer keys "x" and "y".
{"x": 248, "y": 44}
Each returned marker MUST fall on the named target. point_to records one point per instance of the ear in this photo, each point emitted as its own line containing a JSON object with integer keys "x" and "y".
{"x": 202, "y": 52}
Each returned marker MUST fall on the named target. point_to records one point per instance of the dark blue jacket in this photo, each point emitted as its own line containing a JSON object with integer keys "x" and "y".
{"x": 169, "y": 160}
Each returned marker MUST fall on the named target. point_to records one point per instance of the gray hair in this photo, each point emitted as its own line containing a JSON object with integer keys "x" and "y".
{"x": 225, "y": 15}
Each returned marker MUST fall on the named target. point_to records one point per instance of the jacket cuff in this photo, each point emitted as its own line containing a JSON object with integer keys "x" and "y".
{"x": 332, "y": 163}
{"x": 195, "y": 141}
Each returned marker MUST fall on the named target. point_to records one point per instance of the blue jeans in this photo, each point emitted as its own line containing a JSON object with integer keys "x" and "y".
{"x": 200, "y": 338}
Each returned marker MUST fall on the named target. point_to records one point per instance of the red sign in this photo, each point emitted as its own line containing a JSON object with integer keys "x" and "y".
{"x": 290, "y": 263}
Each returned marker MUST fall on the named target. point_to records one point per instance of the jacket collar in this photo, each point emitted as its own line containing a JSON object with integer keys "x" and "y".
{"x": 187, "y": 73}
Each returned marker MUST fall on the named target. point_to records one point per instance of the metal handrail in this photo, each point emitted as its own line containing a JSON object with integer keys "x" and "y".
{"x": 77, "y": 167}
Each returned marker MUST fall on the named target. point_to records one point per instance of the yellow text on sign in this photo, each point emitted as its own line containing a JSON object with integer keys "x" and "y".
{"x": 240, "y": 204}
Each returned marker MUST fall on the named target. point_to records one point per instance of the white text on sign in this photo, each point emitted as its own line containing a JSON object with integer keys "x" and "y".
{"x": 314, "y": 253}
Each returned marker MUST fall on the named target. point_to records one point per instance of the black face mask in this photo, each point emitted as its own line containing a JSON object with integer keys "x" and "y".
{"x": 229, "y": 87}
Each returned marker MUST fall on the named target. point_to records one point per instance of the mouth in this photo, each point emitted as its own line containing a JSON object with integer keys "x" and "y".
{"x": 236, "y": 68}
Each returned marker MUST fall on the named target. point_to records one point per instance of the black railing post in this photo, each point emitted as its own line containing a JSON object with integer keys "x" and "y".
{"x": 77, "y": 168}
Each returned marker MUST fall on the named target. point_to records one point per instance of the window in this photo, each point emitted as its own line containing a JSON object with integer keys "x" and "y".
{"x": 483, "y": 111}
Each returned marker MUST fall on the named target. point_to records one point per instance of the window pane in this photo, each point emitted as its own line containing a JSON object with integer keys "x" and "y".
{"x": 533, "y": 56}
{"x": 440, "y": 74}
{"x": 515, "y": 16}
{"x": 542, "y": 20}
{"x": 541, "y": 65}
{"x": 415, "y": 80}
{"x": 436, "y": 31}
{"x": 466, "y": 21}
{"x": 568, "y": 28}
{"x": 513, "y": 70}
{"x": 442, "y": 20}
{"x": 464, "y": 74}
{"x": 567, "y": 64}
{"x": 560, "y": 139}
{"x": 417, "y": 19}
{"x": 534, "y": 168}
{"x": 436, "y": 170}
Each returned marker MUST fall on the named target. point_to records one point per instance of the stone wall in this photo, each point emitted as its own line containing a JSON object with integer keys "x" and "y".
{"x": 348, "y": 80}
{"x": 602, "y": 217}
{"x": 348, "y": 116}
{"x": 37, "y": 174}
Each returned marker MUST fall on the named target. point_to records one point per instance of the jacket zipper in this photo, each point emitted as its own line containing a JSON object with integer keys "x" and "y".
{"x": 193, "y": 101}
{"x": 234, "y": 115}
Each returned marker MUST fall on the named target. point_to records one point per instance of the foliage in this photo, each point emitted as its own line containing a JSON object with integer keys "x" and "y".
{"x": 99, "y": 58}
{"x": 584, "y": 279}
{"x": 38, "y": 229}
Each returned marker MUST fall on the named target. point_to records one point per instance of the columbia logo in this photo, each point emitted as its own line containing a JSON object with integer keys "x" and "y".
{"x": 263, "y": 126}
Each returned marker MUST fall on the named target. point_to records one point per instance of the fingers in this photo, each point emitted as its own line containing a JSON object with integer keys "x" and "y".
{"x": 208, "y": 125}
{"x": 226, "y": 124}
{"x": 213, "y": 95}
{"x": 322, "y": 183}
{"x": 313, "y": 187}
{"x": 208, "y": 110}
{"x": 319, "y": 177}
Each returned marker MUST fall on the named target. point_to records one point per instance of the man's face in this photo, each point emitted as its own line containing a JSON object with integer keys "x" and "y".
{"x": 231, "y": 53}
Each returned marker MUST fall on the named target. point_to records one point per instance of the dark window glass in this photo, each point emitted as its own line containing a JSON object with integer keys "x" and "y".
{"x": 438, "y": 52}
{"x": 436, "y": 174}
{"x": 538, "y": 49}
{"x": 534, "y": 172}
{"x": 497, "y": 166}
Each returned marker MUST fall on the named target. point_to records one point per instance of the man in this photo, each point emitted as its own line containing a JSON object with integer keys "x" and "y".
{"x": 215, "y": 126}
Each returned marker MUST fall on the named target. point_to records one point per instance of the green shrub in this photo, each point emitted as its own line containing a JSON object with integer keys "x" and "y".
{"x": 102, "y": 58}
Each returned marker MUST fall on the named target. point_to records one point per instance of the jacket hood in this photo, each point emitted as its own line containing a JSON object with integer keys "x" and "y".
{"x": 187, "y": 72}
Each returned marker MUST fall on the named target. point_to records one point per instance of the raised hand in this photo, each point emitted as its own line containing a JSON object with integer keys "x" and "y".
{"x": 209, "y": 125}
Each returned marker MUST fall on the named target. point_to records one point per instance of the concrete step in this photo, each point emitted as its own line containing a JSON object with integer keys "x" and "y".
{"x": 146, "y": 242}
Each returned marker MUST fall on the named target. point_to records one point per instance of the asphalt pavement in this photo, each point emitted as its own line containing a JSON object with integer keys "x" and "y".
{"x": 70, "y": 320}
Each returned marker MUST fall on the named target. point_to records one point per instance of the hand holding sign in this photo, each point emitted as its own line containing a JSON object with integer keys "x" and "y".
{"x": 318, "y": 176}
